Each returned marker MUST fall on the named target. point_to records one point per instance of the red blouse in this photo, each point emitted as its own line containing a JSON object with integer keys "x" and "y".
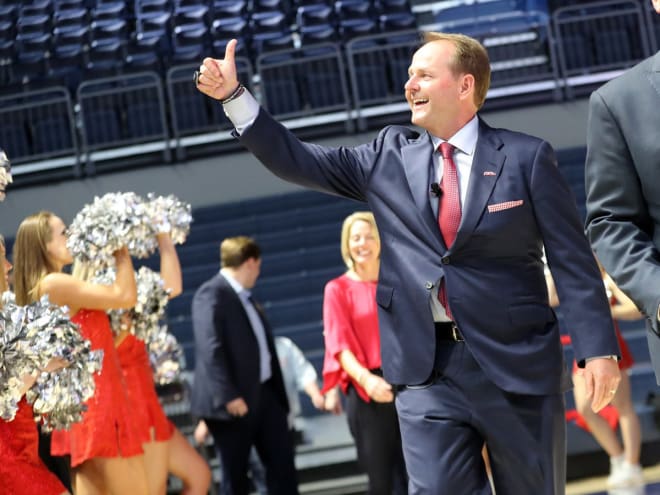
{"x": 350, "y": 322}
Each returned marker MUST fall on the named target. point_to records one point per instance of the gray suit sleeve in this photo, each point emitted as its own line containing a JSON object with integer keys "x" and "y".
{"x": 618, "y": 221}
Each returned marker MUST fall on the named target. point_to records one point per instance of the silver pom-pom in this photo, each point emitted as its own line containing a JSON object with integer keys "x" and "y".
{"x": 169, "y": 214}
{"x": 166, "y": 357}
{"x": 5, "y": 173}
{"x": 108, "y": 223}
{"x": 152, "y": 298}
{"x": 33, "y": 338}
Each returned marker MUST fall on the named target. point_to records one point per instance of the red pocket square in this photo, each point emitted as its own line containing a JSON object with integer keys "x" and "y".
{"x": 489, "y": 172}
{"x": 504, "y": 206}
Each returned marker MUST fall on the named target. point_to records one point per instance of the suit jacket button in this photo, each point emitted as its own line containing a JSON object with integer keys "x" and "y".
{"x": 445, "y": 260}
{"x": 428, "y": 285}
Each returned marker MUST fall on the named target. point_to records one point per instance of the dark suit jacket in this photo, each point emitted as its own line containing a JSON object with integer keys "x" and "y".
{"x": 623, "y": 186}
{"x": 226, "y": 352}
{"x": 493, "y": 272}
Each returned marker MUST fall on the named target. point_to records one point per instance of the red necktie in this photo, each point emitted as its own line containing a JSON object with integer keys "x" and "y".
{"x": 449, "y": 210}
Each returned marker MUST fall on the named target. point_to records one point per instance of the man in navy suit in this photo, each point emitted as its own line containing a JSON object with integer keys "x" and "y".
{"x": 466, "y": 331}
{"x": 238, "y": 388}
{"x": 623, "y": 187}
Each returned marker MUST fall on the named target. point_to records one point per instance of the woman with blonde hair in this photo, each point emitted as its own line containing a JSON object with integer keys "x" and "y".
{"x": 21, "y": 470}
{"x": 353, "y": 360}
{"x": 106, "y": 456}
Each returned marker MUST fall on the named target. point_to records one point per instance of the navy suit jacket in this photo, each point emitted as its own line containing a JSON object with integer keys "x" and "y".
{"x": 623, "y": 187}
{"x": 227, "y": 353}
{"x": 516, "y": 202}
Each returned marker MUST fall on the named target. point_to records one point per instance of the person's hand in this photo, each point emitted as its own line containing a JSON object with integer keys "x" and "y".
{"x": 200, "y": 433}
{"x": 55, "y": 364}
{"x": 319, "y": 401}
{"x": 237, "y": 407}
{"x": 332, "y": 402}
{"x": 217, "y": 77}
{"x": 121, "y": 253}
{"x": 601, "y": 377}
{"x": 377, "y": 388}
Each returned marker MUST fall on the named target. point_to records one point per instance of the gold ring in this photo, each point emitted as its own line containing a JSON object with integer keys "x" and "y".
{"x": 196, "y": 77}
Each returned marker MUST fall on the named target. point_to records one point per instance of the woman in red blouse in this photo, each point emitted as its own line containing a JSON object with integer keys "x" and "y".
{"x": 353, "y": 362}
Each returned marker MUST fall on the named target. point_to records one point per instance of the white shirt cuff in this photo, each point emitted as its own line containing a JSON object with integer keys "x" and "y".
{"x": 242, "y": 111}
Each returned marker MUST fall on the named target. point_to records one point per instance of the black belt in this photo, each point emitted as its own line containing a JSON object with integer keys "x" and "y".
{"x": 448, "y": 331}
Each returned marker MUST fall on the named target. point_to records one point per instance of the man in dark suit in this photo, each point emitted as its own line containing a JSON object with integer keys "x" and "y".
{"x": 466, "y": 331}
{"x": 623, "y": 187}
{"x": 238, "y": 388}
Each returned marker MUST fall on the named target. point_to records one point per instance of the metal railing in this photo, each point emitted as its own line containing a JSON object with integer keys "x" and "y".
{"x": 599, "y": 37}
{"x": 122, "y": 111}
{"x": 130, "y": 116}
{"x": 38, "y": 125}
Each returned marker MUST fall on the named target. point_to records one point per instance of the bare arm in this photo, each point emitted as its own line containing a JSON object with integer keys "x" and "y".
{"x": 170, "y": 268}
{"x": 66, "y": 290}
{"x": 553, "y": 298}
{"x": 625, "y": 308}
{"x": 375, "y": 386}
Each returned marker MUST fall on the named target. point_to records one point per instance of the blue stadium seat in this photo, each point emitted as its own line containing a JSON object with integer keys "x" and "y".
{"x": 69, "y": 4}
{"x": 307, "y": 336}
{"x": 159, "y": 22}
{"x": 36, "y": 8}
{"x": 230, "y": 27}
{"x": 8, "y": 13}
{"x": 319, "y": 33}
{"x": 52, "y": 135}
{"x": 354, "y": 9}
{"x": 268, "y": 22}
{"x": 459, "y": 12}
{"x": 102, "y": 29}
{"x": 31, "y": 67}
{"x": 113, "y": 10}
{"x": 105, "y": 57}
{"x": 397, "y": 21}
{"x": 33, "y": 25}
{"x": 191, "y": 14}
{"x": 495, "y": 7}
{"x": 312, "y": 15}
{"x": 149, "y": 7}
{"x": 269, "y": 5}
{"x": 394, "y": 6}
{"x": 144, "y": 51}
{"x": 70, "y": 18}
{"x": 353, "y": 28}
{"x": 33, "y": 42}
{"x": 229, "y": 8}
{"x": 66, "y": 64}
{"x": 271, "y": 41}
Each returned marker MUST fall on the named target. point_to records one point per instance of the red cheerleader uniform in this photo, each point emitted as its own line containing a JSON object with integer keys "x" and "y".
{"x": 21, "y": 470}
{"x": 107, "y": 428}
{"x": 147, "y": 412}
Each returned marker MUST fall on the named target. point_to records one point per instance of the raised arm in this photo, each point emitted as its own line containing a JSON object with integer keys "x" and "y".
{"x": 66, "y": 290}
{"x": 170, "y": 267}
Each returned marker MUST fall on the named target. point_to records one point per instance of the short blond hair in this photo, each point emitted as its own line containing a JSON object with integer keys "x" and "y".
{"x": 364, "y": 216}
{"x": 234, "y": 251}
{"x": 470, "y": 57}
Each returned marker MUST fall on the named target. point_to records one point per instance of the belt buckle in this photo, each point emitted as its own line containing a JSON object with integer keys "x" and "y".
{"x": 455, "y": 334}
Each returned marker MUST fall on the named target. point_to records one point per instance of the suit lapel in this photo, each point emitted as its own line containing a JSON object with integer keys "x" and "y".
{"x": 418, "y": 166}
{"x": 486, "y": 168}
